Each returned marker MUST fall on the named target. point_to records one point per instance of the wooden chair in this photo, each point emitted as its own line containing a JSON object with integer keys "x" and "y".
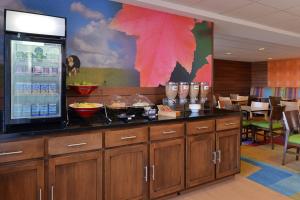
{"x": 290, "y": 105}
{"x": 234, "y": 96}
{"x": 291, "y": 121}
{"x": 261, "y": 107}
{"x": 243, "y": 100}
{"x": 270, "y": 126}
{"x": 274, "y": 101}
{"x": 224, "y": 99}
{"x": 224, "y": 103}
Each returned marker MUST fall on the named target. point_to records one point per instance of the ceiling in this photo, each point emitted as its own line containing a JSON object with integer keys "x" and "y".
{"x": 243, "y": 26}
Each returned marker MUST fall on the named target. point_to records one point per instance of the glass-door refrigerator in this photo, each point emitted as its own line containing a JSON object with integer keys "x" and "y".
{"x": 34, "y": 71}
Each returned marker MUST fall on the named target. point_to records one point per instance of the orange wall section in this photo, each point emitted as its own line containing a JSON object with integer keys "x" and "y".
{"x": 284, "y": 73}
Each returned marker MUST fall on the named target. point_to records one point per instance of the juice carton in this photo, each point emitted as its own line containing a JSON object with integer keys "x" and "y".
{"x": 43, "y": 109}
{"x": 54, "y": 70}
{"x": 37, "y": 70}
{"x": 35, "y": 111}
{"x": 19, "y": 88}
{"x": 27, "y": 88}
{"x": 52, "y": 88}
{"x": 36, "y": 88}
{"x": 44, "y": 88}
{"x": 26, "y": 110}
{"x": 52, "y": 108}
{"x": 46, "y": 70}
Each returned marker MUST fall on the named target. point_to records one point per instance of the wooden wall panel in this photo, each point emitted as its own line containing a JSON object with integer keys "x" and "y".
{"x": 284, "y": 73}
{"x": 259, "y": 74}
{"x": 231, "y": 77}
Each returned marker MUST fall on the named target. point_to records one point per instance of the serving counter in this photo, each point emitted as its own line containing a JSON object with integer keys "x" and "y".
{"x": 140, "y": 159}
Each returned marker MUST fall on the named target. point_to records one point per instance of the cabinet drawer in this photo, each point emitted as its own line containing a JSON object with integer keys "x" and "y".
{"x": 198, "y": 127}
{"x": 21, "y": 150}
{"x": 126, "y": 136}
{"x": 166, "y": 131}
{"x": 74, "y": 143}
{"x": 228, "y": 123}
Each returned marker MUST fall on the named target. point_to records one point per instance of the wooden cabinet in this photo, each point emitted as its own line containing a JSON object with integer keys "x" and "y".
{"x": 126, "y": 136}
{"x": 166, "y": 131}
{"x": 200, "y": 127}
{"x": 228, "y": 152}
{"x": 201, "y": 159}
{"x": 228, "y": 123}
{"x": 21, "y": 150}
{"x": 22, "y": 181}
{"x": 75, "y": 143}
{"x": 140, "y": 163}
{"x": 167, "y": 167}
{"x": 126, "y": 173}
{"x": 75, "y": 177}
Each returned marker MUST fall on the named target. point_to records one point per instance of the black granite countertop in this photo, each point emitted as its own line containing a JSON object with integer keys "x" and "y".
{"x": 99, "y": 123}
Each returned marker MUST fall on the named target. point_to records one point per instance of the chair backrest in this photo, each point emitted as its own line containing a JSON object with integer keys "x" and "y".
{"x": 234, "y": 107}
{"x": 291, "y": 121}
{"x": 276, "y": 113}
{"x": 242, "y": 98}
{"x": 224, "y": 99}
{"x": 289, "y": 105}
{"x": 234, "y": 96}
{"x": 223, "y": 104}
{"x": 259, "y": 105}
{"x": 274, "y": 101}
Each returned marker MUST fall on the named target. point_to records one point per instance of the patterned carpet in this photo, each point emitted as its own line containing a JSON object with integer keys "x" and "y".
{"x": 263, "y": 165}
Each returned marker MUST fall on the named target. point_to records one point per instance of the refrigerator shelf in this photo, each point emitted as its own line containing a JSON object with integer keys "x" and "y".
{"x": 37, "y": 95}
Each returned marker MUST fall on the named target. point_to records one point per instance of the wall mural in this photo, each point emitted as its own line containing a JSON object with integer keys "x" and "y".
{"x": 125, "y": 45}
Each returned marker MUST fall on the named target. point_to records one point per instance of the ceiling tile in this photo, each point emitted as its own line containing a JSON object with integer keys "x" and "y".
{"x": 251, "y": 11}
{"x": 280, "y": 4}
{"x": 277, "y": 19}
{"x": 216, "y": 6}
{"x": 294, "y": 10}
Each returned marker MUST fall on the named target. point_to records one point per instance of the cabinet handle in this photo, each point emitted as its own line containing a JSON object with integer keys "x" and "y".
{"x": 202, "y": 127}
{"x": 230, "y": 124}
{"x": 219, "y": 156}
{"x": 52, "y": 192}
{"x": 10, "y": 153}
{"x": 169, "y": 132}
{"x": 153, "y": 172}
{"x": 128, "y": 137}
{"x": 214, "y": 157}
{"x": 40, "y": 193}
{"x": 77, "y": 144}
{"x": 146, "y": 173}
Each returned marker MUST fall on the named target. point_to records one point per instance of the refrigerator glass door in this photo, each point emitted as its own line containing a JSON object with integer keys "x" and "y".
{"x": 36, "y": 69}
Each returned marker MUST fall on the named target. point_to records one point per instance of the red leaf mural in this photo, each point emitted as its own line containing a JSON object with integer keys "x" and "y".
{"x": 204, "y": 73}
{"x": 162, "y": 40}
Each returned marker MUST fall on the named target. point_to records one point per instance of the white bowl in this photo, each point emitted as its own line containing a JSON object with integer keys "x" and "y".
{"x": 194, "y": 107}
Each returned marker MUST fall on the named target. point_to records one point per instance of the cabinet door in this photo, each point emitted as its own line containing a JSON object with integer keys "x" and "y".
{"x": 167, "y": 167}
{"x": 22, "y": 181}
{"x": 126, "y": 173}
{"x": 201, "y": 159}
{"x": 228, "y": 152}
{"x": 75, "y": 177}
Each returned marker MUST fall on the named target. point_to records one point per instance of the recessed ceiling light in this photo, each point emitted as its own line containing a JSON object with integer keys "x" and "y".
{"x": 228, "y": 53}
{"x": 261, "y": 49}
{"x": 270, "y": 58}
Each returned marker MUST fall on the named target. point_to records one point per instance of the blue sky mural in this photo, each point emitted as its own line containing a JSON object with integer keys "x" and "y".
{"x": 88, "y": 34}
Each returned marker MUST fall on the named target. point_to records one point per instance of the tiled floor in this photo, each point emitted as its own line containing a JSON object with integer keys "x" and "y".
{"x": 262, "y": 178}
{"x": 238, "y": 188}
